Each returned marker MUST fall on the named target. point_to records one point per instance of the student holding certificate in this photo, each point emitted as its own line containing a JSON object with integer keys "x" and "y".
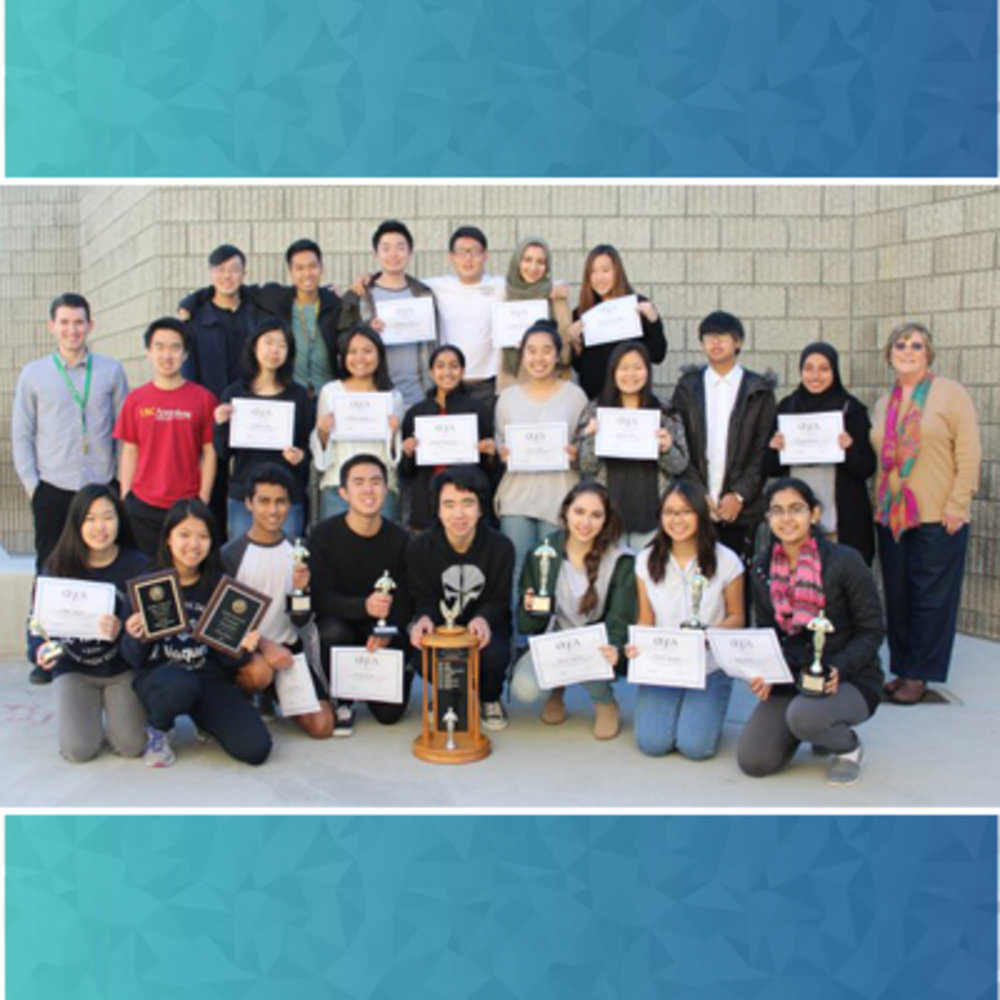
{"x": 94, "y": 699}
{"x": 449, "y": 396}
{"x": 590, "y": 579}
{"x": 604, "y": 279}
{"x": 686, "y": 574}
{"x": 843, "y": 487}
{"x": 635, "y": 485}
{"x": 181, "y": 674}
{"x": 799, "y": 576}
{"x": 268, "y": 363}
{"x": 363, "y": 359}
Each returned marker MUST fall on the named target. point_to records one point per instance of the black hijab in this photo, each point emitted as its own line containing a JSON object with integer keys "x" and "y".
{"x": 834, "y": 398}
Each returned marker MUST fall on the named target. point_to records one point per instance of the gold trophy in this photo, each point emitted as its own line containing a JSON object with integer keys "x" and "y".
{"x": 299, "y": 601}
{"x": 698, "y": 583}
{"x": 812, "y": 680}
{"x": 51, "y": 649}
{"x": 385, "y": 585}
{"x": 541, "y": 603}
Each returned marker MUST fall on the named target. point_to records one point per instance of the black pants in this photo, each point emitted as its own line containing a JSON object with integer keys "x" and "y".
{"x": 146, "y": 522}
{"x": 50, "y": 507}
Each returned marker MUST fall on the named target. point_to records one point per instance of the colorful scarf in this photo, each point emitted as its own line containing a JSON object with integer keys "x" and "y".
{"x": 797, "y": 596}
{"x": 898, "y": 510}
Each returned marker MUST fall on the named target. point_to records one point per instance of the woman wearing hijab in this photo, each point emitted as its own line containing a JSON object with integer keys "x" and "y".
{"x": 841, "y": 488}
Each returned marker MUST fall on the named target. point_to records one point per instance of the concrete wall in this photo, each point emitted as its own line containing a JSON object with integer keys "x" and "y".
{"x": 832, "y": 262}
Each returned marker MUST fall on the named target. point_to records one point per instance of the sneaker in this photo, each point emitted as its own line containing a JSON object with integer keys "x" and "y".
{"x": 266, "y": 703}
{"x": 554, "y": 709}
{"x": 494, "y": 716}
{"x": 607, "y": 720}
{"x": 40, "y": 676}
{"x": 343, "y": 721}
{"x": 845, "y": 768}
{"x": 158, "y": 751}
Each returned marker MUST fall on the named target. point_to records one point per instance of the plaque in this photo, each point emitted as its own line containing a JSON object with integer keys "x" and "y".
{"x": 157, "y": 597}
{"x": 233, "y": 610}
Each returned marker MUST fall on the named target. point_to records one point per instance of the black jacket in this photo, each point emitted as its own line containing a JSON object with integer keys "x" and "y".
{"x": 749, "y": 431}
{"x": 854, "y": 609}
{"x": 216, "y": 340}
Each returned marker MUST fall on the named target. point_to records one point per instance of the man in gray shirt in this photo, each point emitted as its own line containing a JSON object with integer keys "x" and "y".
{"x": 65, "y": 406}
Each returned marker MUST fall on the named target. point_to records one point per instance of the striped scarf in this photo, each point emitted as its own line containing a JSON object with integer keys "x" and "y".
{"x": 797, "y": 596}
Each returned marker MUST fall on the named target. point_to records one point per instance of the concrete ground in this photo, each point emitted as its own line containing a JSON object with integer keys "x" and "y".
{"x": 929, "y": 756}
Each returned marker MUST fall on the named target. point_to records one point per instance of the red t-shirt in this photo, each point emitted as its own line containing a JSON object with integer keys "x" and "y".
{"x": 170, "y": 427}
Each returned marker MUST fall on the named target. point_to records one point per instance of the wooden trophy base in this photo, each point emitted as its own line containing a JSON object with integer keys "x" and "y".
{"x": 467, "y": 748}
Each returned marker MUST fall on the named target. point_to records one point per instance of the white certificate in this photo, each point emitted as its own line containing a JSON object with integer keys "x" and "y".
{"x": 407, "y": 320}
{"x": 536, "y": 447}
{"x": 668, "y": 657}
{"x": 265, "y": 424}
{"x": 361, "y": 416}
{"x": 811, "y": 438}
{"x": 71, "y": 609}
{"x": 362, "y": 676}
{"x": 745, "y": 653}
{"x": 511, "y": 319}
{"x": 624, "y": 433}
{"x": 571, "y": 656}
{"x": 451, "y": 439}
{"x": 611, "y": 321}
{"x": 296, "y": 692}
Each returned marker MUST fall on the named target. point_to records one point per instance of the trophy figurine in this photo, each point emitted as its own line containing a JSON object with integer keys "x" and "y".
{"x": 698, "y": 583}
{"x": 450, "y": 718}
{"x": 385, "y": 585}
{"x": 51, "y": 649}
{"x": 450, "y": 612}
{"x": 541, "y": 603}
{"x": 299, "y": 601}
{"x": 814, "y": 677}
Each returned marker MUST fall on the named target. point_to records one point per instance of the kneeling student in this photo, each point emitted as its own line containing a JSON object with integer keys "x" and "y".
{"x": 264, "y": 558}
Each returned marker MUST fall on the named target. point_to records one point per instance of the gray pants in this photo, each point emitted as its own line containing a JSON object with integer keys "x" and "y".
{"x": 777, "y": 726}
{"x": 86, "y": 705}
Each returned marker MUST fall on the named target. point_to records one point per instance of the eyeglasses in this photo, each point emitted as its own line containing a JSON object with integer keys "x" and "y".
{"x": 795, "y": 510}
{"x": 467, "y": 252}
{"x": 908, "y": 345}
{"x": 684, "y": 512}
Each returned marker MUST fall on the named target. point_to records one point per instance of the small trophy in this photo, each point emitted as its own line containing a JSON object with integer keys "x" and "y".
{"x": 698, "y": 583}
{"x": 450, "y": 718}
{"x": 385, "y": 585}
{"x": 51, "y": 649}
{"x": 541, "y": 603}
{"x": 450, "y": 612}
{"x": 813, "y": 679}
{"x": 299, "y": 601}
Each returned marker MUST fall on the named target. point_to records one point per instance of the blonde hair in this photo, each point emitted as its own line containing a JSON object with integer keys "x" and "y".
{"x": 903, "y": 330}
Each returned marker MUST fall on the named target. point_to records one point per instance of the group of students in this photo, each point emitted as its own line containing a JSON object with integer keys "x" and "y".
{"x": 698, "y": 506}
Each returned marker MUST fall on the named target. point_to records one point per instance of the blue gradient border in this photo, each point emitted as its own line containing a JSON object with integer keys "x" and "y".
{"x": 500, "y": 906}
{"x": 474, "y": 88}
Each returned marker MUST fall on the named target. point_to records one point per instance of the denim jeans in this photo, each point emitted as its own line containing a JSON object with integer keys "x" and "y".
{"x": 331, "y": 503}
{"x": 239, "y": 520}
{"x": 524, "y": 685}
{"x": 526, "y": 533}
{"x": 687, "y": 720}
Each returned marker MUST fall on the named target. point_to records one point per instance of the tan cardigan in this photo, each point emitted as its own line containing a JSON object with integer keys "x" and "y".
{"x": 946, "y": 472}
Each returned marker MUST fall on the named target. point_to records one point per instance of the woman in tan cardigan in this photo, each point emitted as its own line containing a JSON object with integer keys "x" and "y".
{"x": 927, "y": 438}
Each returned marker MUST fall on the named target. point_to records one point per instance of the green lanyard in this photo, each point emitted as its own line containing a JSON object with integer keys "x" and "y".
{"x": 80, "y": 401}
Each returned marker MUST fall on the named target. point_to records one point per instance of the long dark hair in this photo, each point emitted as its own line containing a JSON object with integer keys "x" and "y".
{"x": 69, "y": 557}
{"x": 250, "y": 366}
{"x": 606, "y": 537}
{"x": 382, "y": 381}
{"x": 211, "y": 566}
{"x": 662, "y": 544}
{"x": 610, "y": 394}
{"x": 588, "y": 297}
{"x": 544, "y": 328}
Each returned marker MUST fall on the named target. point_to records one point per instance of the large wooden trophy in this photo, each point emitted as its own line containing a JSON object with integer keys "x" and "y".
{"x": 451, "y": 731}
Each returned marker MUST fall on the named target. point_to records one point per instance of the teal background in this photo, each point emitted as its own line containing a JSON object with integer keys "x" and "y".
{"x": 121, "y": 908}
{"x": 474, "y": 88}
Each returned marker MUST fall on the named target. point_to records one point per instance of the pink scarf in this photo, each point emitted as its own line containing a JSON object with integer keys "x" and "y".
{"x": 797, "y": 596}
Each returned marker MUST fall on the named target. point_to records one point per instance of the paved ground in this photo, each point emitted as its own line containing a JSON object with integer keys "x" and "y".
{"x": 930, "y": 756}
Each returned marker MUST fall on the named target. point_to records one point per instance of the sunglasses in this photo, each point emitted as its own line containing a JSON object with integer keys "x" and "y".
{"x": 908, "y": 345}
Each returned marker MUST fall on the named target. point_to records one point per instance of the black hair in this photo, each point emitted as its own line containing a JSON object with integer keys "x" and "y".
{"x": 382, "y": 381}
{"x": 609, "y": 534}
{"x": 69, "y": 300}
{"x": 661, "y": 545}
{"x": 722, "y": 322}
{"x": 167, "y": 323}
{"x": 392, "y": 226}
{"x": 467, "y": 233}
{"x": 550, "y": 329}
{"x": 467, "y": 478}
{"x": 792, "y": 483}
{"x": 303, "y": 246}
{"x": 69, "y": 557}
{"x": 224, "y": 252}
{"x": 270, "y": 474}
{"x": 362, "y": 458}
{"x": 610, "y": 394}
{"x": 250, "y": 366}
{"x": 451, "y": 349}
{"x": 211, "y": 567}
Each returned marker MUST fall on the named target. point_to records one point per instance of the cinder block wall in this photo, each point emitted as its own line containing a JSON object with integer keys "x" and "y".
{"x": 838, "y": 263}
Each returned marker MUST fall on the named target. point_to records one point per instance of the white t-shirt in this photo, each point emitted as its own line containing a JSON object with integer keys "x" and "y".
{"x": 465, "y": 319}
{"x": 268, "y": 568}
{"x": 720, "y": 398}
{"x": 671, "y": 597}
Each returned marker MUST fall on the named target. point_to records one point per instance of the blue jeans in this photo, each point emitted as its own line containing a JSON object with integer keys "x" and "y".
{"x": 239, "y": 519}
{"x": 524, "y": 685}
{"x": 526, "y": 533}
{"x": 331, "y": 503}
{"x": 684, "y": 719}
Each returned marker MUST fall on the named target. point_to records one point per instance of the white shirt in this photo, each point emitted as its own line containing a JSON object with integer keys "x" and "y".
{"x": 465, "y": 319}
{"x": 720, "y": 398}
{"x": 268, "y": 568}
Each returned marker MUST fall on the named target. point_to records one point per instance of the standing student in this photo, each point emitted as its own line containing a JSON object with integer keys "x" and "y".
{"x": 165, "y": 430}
{"x": 591, "y": 580}
{"x": 604, "y": 278}
{"x": 635, "y": 485}
{"x": 688, "y": 720}
{"x": 181, "y": 675}
{"x": 842, "y": 488}
{"x": 94, "y": 699}
{"x": 268, "y": 363}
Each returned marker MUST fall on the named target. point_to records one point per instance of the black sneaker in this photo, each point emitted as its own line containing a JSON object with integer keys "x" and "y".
{"x": 343, "y": 723}
{"x": 40, "y": 676}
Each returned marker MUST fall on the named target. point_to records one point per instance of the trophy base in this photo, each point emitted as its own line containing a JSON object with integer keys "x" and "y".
{"x": 299, "y": 604}
{"x": 434, "y": 750}
{"x": 385, "y": 631}
{"x": 692, "y": 625}
{"x": 541, "y": 607}
{"x": 812, "y": 685}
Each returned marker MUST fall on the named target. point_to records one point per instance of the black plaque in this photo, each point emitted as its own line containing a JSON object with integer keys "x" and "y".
{"x": 157, "y": 597}
{"x": 233, "y": 610}
{"x": 452, "y": 688}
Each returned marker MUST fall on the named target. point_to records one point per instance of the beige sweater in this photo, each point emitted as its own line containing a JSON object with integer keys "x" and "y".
{"x": 946, "y": 472}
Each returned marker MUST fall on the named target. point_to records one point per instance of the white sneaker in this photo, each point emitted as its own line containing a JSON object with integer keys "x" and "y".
{"x": 845, "y": 768}
{"x": 494, "y": 716}
{"x": 343, "y": 721}
{"x": 158, "y": 752}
